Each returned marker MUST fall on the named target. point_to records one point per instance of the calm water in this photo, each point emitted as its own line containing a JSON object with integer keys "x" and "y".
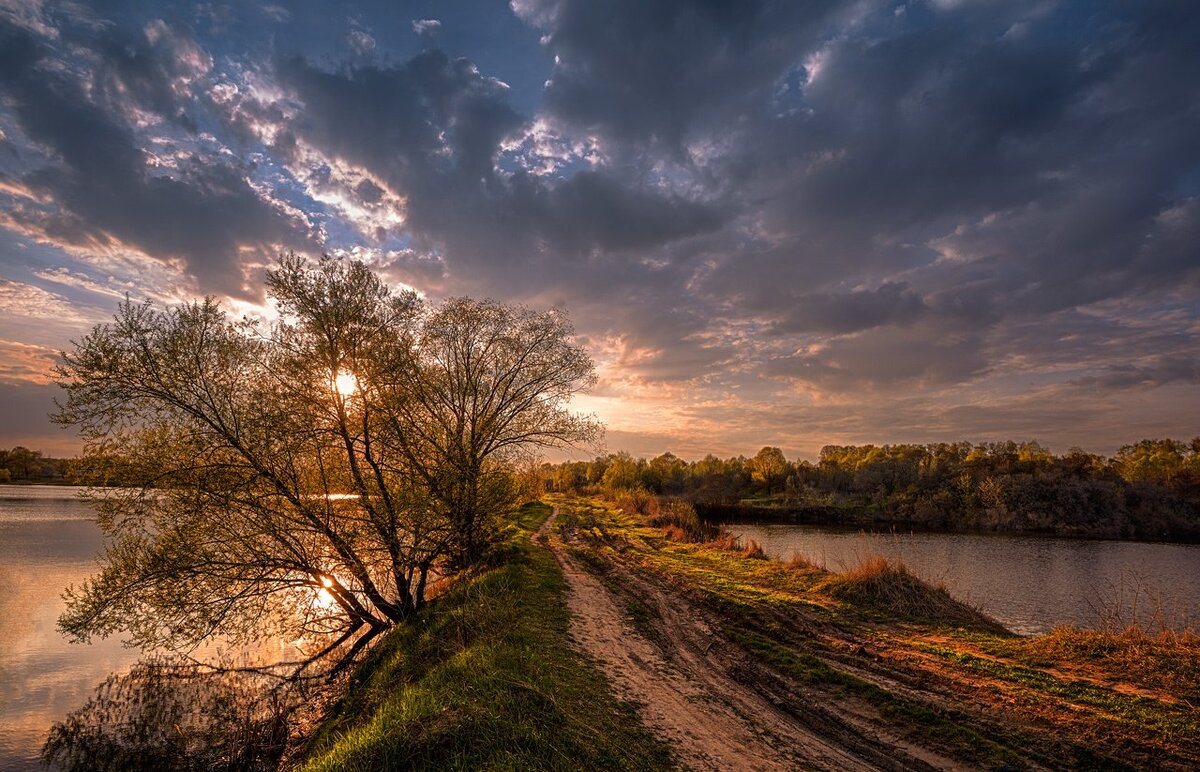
{"x": 48, "y": 540}
{"x": 1029, "y": 583}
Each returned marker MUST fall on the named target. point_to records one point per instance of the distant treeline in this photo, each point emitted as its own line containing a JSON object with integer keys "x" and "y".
{"x": 24, "y": 465}
{"x": 1148, "y": 490}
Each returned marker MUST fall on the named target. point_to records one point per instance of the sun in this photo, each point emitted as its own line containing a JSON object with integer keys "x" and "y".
{"x": 345, "y": 383}
{"x": 325, "y": 599}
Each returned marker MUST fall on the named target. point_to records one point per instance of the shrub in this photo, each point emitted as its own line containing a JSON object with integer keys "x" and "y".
{"x": 753, "y": 549}
{"x": 637, "y": 500}
{"x": 799, "y": 562}
{"x": 680, "y": 516}
{"x": 883, "y": 585}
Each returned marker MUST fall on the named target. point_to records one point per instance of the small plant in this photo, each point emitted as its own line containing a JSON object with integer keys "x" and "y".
{"x": 1131, "y": 605}
{"x": 754, "y": 550}
{"x": 798, "y": 562}
{"x": 637, "y": 500}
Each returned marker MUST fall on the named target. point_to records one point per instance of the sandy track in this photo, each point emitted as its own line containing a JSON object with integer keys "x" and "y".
{"x": 710, "y": 719}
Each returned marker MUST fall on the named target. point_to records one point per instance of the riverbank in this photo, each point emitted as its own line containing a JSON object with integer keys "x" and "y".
{"x": 533, "y": 664}
{"x": 871, "y": 517}
{"x": 486, "y": 678}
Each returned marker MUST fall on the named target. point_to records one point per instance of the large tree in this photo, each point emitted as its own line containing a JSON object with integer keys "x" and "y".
{"x": 486, "y": 386}
{"x": 310, "y": 474}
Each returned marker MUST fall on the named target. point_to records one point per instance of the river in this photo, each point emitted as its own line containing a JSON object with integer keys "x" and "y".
{"x": 48, "y": 540}
{"x": 1029, "y": 583}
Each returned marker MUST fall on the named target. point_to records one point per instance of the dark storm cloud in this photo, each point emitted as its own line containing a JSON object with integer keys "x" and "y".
{"x": 1162, "y": 370}
{"x": 428, "y": 116}
{"x": 1004, "y": 161}
{"x": 653, "y": 73}
{"x": 432, "y": 128}
{"x": 891, "y": 303}
{"x": 96, "y": 176}
{"x": 1054, "y": 154}
{"x": 744, "y": 205}
{"x": 857, "y": 143}
{"x": 890, "y": 357}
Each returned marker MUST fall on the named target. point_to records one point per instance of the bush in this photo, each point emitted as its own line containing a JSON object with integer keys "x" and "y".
{"x": 637, "y": 500}
{"x": 754, "y": 550}
{"x": 680, "y": 518}
{"x": 882, "y": 585}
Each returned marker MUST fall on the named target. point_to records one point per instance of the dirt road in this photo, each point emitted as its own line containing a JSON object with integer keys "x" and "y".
{"x": 685, "y": 683}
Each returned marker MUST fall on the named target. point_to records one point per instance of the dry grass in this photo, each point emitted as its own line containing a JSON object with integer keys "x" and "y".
{"x": 724, "y": 540}
{"x": 1166, "y": 660}
{"x": 754, "y": 550}
{"x": 681, "y": 523}
{"x": 637, "y": 500}
{"x": 888, "y": 586}
{"x": 798, "y": 562}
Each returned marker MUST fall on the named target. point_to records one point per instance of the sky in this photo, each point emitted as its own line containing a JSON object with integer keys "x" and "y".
{"x": 772, "y": 223}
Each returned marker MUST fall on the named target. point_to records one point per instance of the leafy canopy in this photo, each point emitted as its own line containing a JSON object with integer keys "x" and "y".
{"x": 310, "y": 475}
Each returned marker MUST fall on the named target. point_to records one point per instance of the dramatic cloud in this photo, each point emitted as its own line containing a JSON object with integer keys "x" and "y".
{"x": 784, "y": 223}
{"x": 100, "y": 186}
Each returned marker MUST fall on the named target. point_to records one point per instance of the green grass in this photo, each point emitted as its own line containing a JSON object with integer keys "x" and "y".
{"x": 486, "y": 678}
{"x": 1171, "y": 722}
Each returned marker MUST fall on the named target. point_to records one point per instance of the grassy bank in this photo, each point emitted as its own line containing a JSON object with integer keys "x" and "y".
{"x": 904, "y": 655}
{"x": 873, "y": 659}
{"x": 486, "y": 679}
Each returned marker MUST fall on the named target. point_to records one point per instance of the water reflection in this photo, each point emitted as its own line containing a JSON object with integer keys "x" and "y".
{"x": 48, "y": 540}
{"x": 1029, "y": 583}
{"x": 166, "y": 715}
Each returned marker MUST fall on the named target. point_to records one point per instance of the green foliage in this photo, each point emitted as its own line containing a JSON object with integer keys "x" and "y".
{"x": 22, "y": 464}
{"x": 1149, "y": 490}
{"x": 769, "y": 467}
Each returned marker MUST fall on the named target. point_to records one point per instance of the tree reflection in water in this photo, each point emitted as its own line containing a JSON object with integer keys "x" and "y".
{"x": 170, "y": 712}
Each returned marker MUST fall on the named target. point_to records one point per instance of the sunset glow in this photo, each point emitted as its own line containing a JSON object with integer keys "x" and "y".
{"x": 345, "y": 384}
{"x": 787, "y": 224}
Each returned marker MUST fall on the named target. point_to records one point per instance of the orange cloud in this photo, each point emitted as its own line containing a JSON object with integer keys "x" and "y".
{"x": 25, "y": 362}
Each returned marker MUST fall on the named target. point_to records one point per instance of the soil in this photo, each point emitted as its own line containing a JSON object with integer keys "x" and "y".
{"x": 714, "y": 706}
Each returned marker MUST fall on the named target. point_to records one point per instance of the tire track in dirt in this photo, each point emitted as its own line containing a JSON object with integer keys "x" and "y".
{"x": 708, "y": 718}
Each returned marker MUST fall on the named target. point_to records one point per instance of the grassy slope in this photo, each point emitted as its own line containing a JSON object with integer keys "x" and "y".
{"x": 486, "y": 679}
{"x": 1072, "y": 697}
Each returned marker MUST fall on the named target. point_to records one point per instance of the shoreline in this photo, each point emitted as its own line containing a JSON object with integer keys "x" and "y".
{"x": 867, "y": 519}
{"x": 867, "y": 668}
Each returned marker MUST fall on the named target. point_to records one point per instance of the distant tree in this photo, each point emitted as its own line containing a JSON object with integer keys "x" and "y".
{"x": 621, "y": 473}
{"x": 769, "y": 467}
{"x": 1151, "y": 460}
{"x": 23, "y": 463}
{"x": 306, "y": 476}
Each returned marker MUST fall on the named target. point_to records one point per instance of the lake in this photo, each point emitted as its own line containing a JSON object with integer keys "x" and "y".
{"x": 48, "y": 540}
{"x": 1029, "y": 583}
